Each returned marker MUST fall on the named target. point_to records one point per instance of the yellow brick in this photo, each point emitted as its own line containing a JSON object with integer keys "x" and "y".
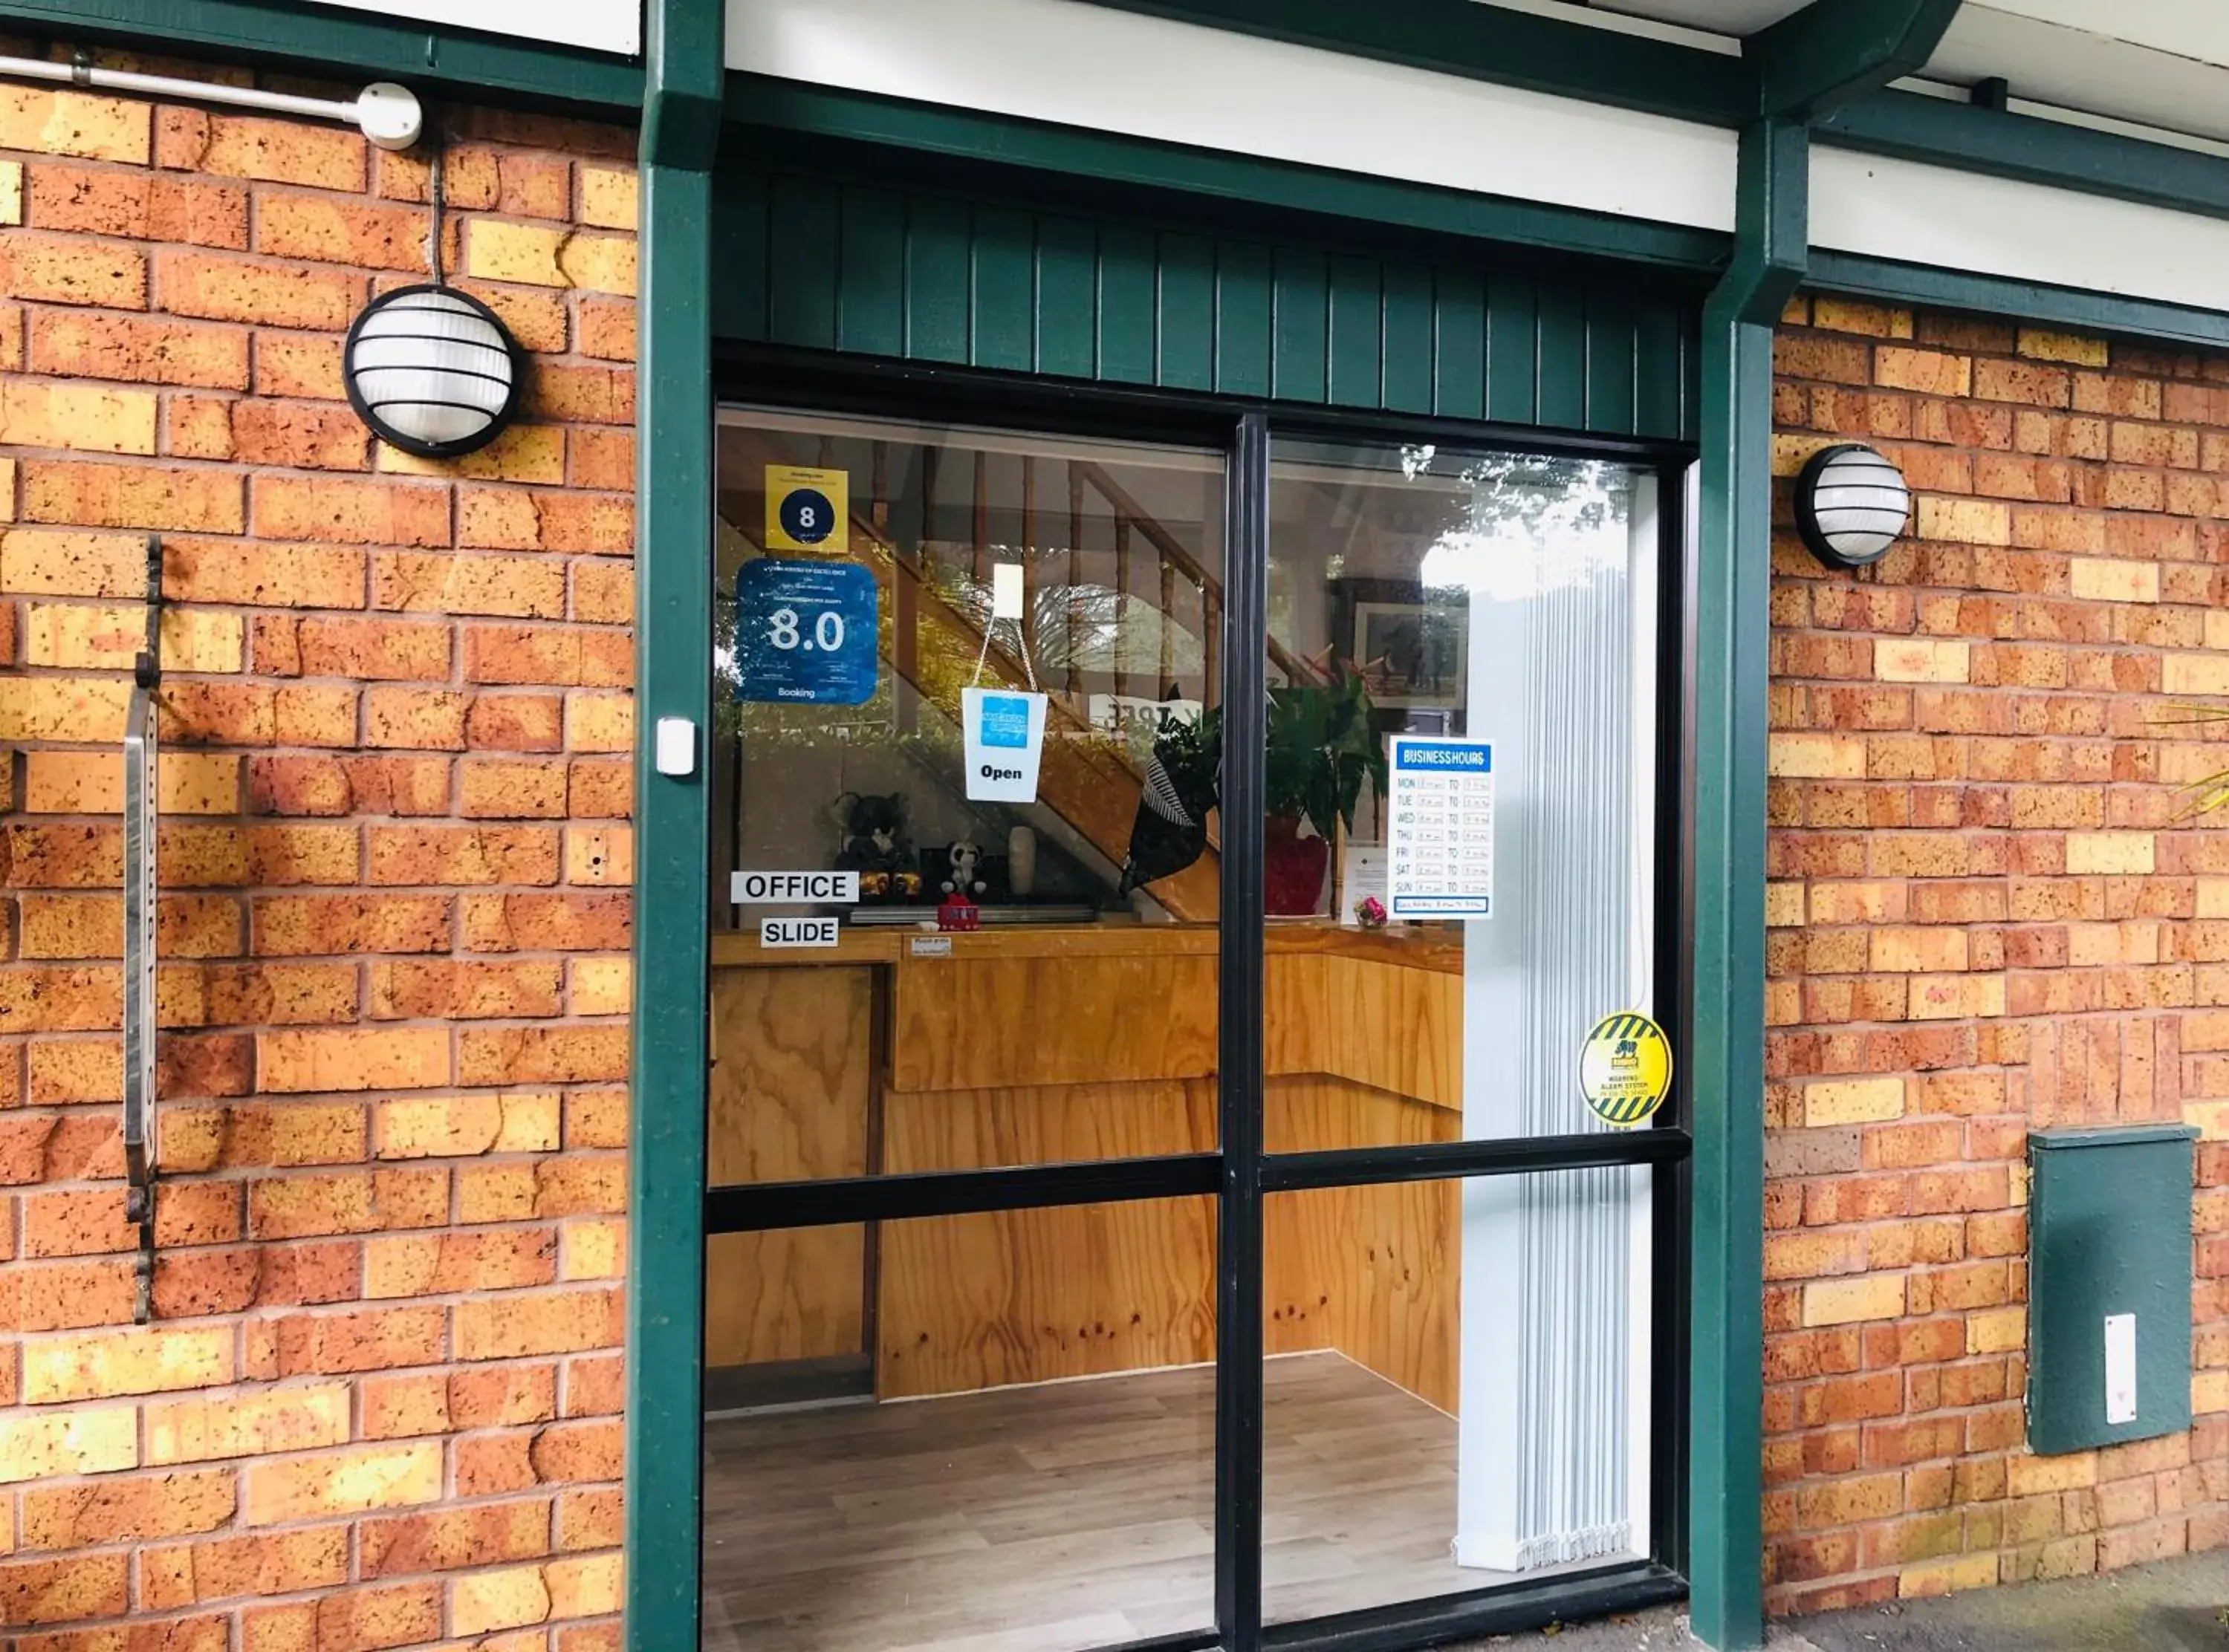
{"x": 2109, "y": 853}
{"x": 531, "y": 1121}
{"x": 63, "y": 708}
{"x": 1998, "y": 1330}
{"x": 2062, "y": 346}
{"x": 2194, "y": 673}
{"x": 46, "y": 562}
{"x": 35, "y": 1446}
{"x": 1816, "y": 757}
{"x": 499, "y": 252}
{"x": 11, "y": 192}
{"x": 598, "y": 723}
{"x": 84, "y": 783}
{"x": 599, "y": 263}
{"x": 73, "y": 123}
{"x": 83, "y": 416}
{"x": 1905, "y": 951}
{"x": 2026, "y": 1477}
{"x": 141, "y": 1361}
{"x": 1853, "y": 1101}
{"x": 504, "y": 1598}
{"x": 7, "y": 466}
{"x": 1918, "y": 659}
{"x": 599, "y": 854}
{"x": 523, "y": 453}
{"x": 2209, "y": 1392}
{"x": 1968, "y": 521}
{"x": 586, "y": 1585}
{"x": 594, "y": 1251}
{"x": 2213, "y": 897}
{"x": 403, "y": 1058}
{"x": 2211, "y": 1118}
{"x": 1954, "y": 997}
{"x": 1783, "y": 906}
{"x": 608, "y": 197}
{"x": 2217, "y": 629}
{"x": 1844, "y": 1301}
{"x": 1947, "y": 1576}
{"x": 82, "y": 637}
{"x": 602, "y": 986}
{"x": 257, "y": 1423}
{"x": 2100, "y": 579}
{"x": 343, "y": 1482}
{"x": 453, "y": 1126}
{"x": 2017, "y": 1177}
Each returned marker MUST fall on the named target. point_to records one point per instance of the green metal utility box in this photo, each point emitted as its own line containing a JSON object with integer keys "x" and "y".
{"x": 2109, "y": 1285}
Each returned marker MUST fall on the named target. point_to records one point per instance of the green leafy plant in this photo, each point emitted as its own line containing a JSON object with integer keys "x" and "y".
{"x": 1322, "y": 745}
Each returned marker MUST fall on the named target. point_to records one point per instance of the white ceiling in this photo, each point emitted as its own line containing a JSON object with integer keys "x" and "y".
{"x": 2162, "y": 63}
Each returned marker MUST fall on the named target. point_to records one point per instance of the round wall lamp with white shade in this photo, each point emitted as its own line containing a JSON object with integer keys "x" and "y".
{"x": 1850, "y": 505}
{"x": 432, "y": 370}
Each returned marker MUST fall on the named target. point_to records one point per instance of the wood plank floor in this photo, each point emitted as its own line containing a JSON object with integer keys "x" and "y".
{"x": 1066, "y": 1516}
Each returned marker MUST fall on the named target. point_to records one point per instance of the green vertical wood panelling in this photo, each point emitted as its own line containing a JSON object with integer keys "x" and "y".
{"x": 1187, "y": 311}
{"x": 1003, "y": 296}
{"x": 1300, "y": 371}
{"x": 1610, "y": 362}
{"x": 1513, "y": 350}
{"x": 1357, "y": 329}
{"x": 1459, "y": 352}
{"x": 1562, "y": 349}
{"x": 1126, "y": 304}
{"x": 805, "y": 273}
{"x": 1244, "y": 312}
{"x": 1068, "y": 297}
{"x": 922, "y": 275}
{"x": 936, "y": 280}
{"x": 1407, "y": 332}
{"x": 871, "y": 313}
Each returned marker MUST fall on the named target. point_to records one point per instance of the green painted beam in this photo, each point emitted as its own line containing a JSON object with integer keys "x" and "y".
{"x": 1996, "y": 296}
{"x": 1811, "y": 60}
{"x": 1909, "y": 126}
{"x": 813, "y": 111}
{"x": 348, "y": 44}
{"x": 673, "y": 678}
{"x": 1487, "y": 43}
{"x": 1724, "y": 1018}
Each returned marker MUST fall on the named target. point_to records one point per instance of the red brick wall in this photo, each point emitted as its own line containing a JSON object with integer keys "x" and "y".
{"x": 1988, "y": 914}
{"x": 378, "y": 1407}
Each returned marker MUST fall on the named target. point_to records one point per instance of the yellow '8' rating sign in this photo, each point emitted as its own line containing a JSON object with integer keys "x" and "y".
{"x": 1625, "y": 1069}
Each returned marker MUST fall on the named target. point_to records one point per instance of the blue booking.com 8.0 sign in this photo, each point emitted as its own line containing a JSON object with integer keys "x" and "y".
{"x": 804, "y": 632}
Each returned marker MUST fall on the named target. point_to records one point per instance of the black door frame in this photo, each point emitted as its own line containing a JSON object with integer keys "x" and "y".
{"x": 1239, "y": 1172}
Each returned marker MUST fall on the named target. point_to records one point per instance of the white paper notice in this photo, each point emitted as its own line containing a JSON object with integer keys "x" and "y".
{"x": 1440, "y": 839}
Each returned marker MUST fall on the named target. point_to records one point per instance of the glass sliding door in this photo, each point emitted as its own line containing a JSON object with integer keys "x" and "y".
{"x": 1190, "y": 1160}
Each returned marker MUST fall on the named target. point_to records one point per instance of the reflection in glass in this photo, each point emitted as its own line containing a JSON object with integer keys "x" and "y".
{"x": 1030, "y": 1466}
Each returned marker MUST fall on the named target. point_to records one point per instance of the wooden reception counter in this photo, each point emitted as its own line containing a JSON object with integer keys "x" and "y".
{"x": 1033, "y": 1045}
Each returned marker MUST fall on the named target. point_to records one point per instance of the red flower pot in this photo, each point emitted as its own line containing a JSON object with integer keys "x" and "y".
{"x": 1292, "y": 869}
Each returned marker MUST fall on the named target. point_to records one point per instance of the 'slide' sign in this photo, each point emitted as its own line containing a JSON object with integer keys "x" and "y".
{"x": 797, "y": 931}
{"x": 787, "y": 888}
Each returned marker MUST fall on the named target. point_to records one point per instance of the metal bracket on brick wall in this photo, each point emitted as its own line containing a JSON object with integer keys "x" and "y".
{"x": 140, "y": 744}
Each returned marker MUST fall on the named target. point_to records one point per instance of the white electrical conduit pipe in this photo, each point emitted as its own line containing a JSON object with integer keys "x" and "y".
{"x": 385, "y": 113}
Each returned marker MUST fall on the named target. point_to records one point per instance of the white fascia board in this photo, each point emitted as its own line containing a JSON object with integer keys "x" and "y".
{"x": 2025, "y": 231}
{"x": 598, "y": 25}
{"x": 1078, "y": 65}
{"x": 2197, "y": 28}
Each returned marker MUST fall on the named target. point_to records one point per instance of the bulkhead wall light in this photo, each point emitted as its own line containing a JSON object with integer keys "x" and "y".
{"x": 432, "y": 370}
{"x": 1850, "y": 505}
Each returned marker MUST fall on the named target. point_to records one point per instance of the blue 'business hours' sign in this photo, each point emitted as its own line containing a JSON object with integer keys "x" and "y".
{"x": 806, "y": 633}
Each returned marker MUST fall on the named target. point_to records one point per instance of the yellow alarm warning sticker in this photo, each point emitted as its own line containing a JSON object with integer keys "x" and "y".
{"x": 807, "y": 510}
{"x": 1625, "y": 1069}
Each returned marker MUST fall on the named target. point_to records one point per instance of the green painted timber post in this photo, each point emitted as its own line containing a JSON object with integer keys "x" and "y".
{"x": 680, "y": 135}
{"x": 1725, "y": 1017}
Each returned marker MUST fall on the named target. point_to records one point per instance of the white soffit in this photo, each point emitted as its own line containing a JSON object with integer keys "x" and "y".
{"x": 2103, "y": 69}
{"x": 2025, "y": 231}
{"x": 600, "y": 25}
{"x": 1081, "y": 65}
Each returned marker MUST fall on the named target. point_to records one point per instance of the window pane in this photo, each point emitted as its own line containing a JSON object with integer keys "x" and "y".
{"x": 1457, "y": 1387}
{"x": 1025, "y": 1457}
{"x": 936, "y": 949}
{"x": 1460, "y": 847}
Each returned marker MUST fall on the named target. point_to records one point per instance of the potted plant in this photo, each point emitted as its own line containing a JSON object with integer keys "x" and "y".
{"x": 1323, "y": 742}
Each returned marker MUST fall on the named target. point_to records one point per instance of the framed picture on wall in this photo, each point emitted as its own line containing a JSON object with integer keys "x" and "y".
{"x": 1412, "y": 647}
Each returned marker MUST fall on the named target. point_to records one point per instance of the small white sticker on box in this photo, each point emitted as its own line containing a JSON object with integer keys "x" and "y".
{"x": 2120, "y": 1368}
